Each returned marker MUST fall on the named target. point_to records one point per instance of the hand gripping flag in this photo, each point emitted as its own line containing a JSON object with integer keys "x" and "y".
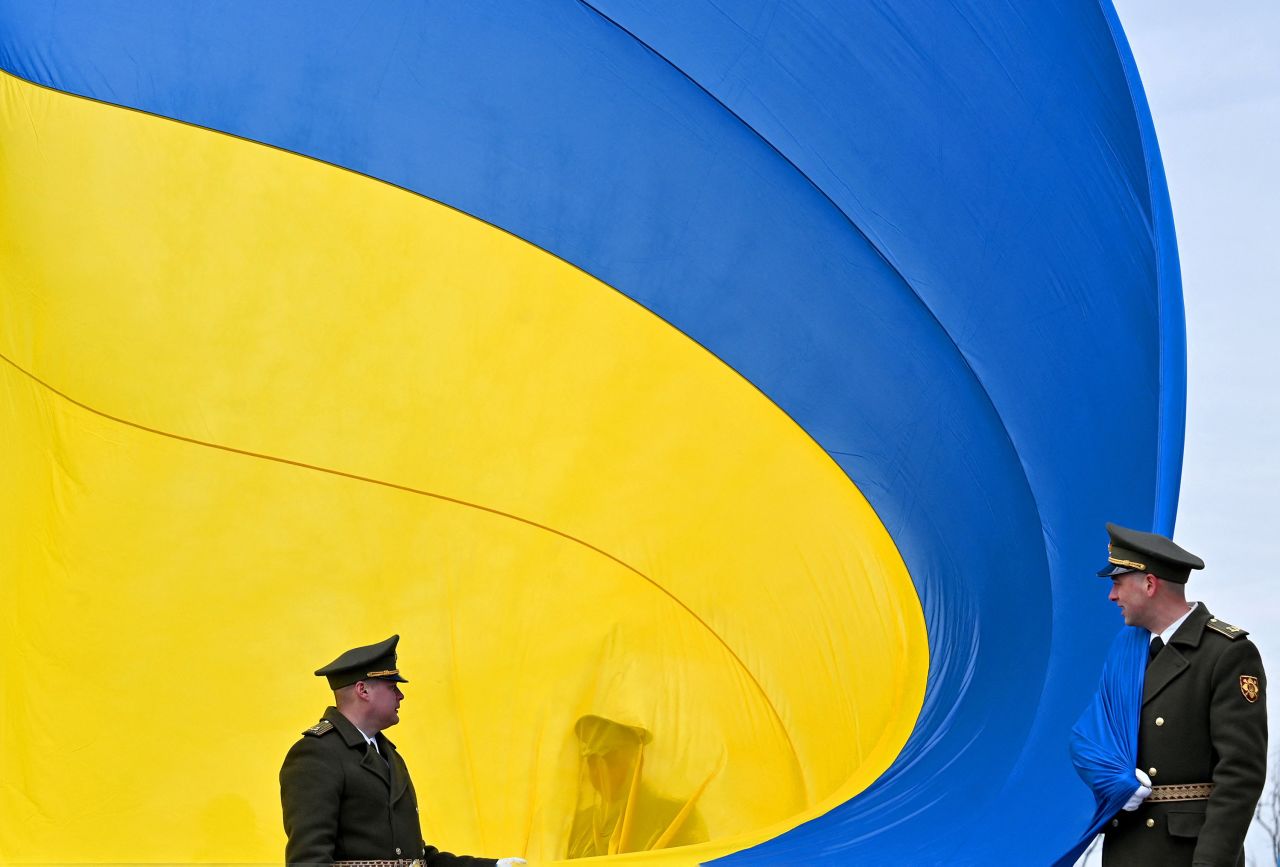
{"x": 1104, "y": 740}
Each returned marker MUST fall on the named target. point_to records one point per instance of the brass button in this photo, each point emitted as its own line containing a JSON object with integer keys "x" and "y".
{"x": 1159, "y": 720}
{"x": 1115, "y": 823}
{"x": 1151, "y": 772}
{"x": 1151, "y": 823}
{"x": 398, "y": 848}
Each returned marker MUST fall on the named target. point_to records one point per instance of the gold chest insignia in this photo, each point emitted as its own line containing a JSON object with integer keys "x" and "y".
{"x": 1249, "y": 687}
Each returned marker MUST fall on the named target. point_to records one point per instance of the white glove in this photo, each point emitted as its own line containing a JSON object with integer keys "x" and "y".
{"x": 1140, "y": 794}
{"x": 511, "y": 862}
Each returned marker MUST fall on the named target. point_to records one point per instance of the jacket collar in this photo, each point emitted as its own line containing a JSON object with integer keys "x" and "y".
{"x": 1170, "y": 662}
{"x": 1192, "y": 629}
{"x": 345, "y": 727}
{"x": 352, "y": 735}
{"x": 371, "y": 761}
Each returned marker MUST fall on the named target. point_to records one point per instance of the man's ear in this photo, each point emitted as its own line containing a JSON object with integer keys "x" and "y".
{"x": 1153, "y": 582}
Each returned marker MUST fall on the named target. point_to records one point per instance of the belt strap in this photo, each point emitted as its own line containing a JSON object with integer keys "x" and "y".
{"x": 393, "y": 863}
{"x": 1181, "y": 792}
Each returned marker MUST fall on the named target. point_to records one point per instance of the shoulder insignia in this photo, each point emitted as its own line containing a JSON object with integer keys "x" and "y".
{"x": 1249, "y": 688}
{"x": 320, "y": 728}
{"x": 1224, "y": 628}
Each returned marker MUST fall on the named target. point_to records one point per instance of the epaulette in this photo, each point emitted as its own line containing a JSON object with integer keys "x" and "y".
{"x": 1222, "y": 627}
{"x": 320, "y": 728}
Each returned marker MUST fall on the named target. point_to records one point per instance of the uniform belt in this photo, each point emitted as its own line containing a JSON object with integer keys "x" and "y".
{"x": 392, "y": 863}
{"x": 1183, "y": 792}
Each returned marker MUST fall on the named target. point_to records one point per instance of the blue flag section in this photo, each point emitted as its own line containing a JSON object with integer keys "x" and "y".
{"x": 1104, "y": 741}
{"x": 933, "y": 239}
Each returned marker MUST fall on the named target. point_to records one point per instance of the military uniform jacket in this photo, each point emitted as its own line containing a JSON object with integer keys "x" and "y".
{"x": 343, "y": 802}
{"x": 1204, "y": 720}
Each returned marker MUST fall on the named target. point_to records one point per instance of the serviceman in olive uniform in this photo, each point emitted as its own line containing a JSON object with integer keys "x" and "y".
{"x": 1202, "y": 735}
{"x": 345, "y": 789}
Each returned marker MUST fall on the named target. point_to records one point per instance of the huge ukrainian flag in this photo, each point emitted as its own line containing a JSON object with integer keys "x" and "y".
{"x": 728, "y": 372}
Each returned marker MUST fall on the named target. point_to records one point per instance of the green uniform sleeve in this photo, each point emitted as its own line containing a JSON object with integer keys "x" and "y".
{"x": 310, "y": 793}
{"x": 1238, "y": 732}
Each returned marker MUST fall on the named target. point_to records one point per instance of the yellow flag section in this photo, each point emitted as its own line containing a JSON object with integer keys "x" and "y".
{"x": 257, "y": 410}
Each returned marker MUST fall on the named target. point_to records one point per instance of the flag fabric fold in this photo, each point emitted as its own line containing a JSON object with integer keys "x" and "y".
{"x": 1104, "y": 740}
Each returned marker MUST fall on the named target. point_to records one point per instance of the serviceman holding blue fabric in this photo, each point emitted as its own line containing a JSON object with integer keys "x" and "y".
{"x": 345, "y": 790}
{"x": 1202, "y": 733}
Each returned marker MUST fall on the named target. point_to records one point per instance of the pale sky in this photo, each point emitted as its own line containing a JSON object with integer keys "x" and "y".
{"x": 1212, "y": 77}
